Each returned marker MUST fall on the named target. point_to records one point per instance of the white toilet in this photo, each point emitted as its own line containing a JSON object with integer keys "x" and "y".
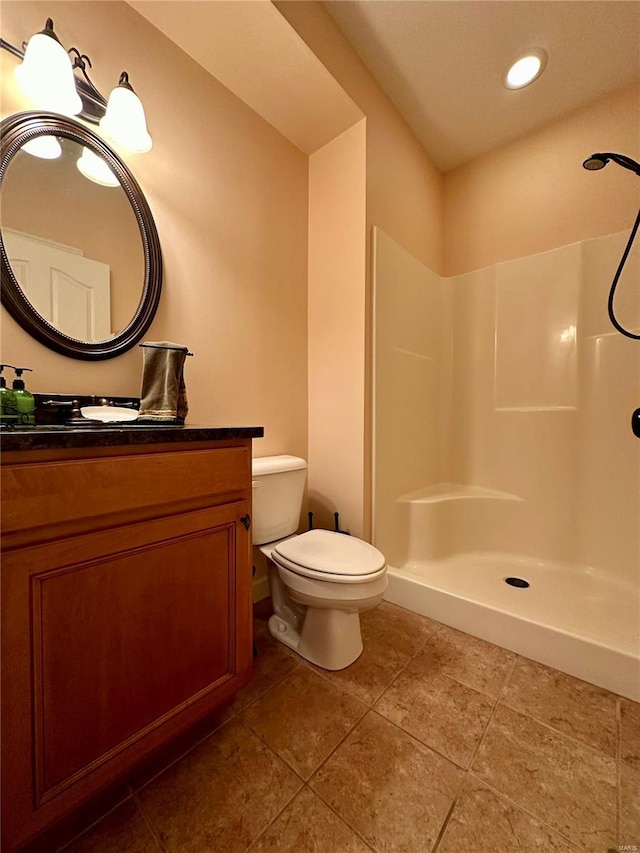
{"x": 320, "y": 581}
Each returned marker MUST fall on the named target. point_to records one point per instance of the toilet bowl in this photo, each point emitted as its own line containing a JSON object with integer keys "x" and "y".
{"x": 320, "y": 581}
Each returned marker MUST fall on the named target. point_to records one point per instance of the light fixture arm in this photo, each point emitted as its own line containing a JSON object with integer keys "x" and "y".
{"x": 11, "y": 48}
{"x": 94, "y": 104}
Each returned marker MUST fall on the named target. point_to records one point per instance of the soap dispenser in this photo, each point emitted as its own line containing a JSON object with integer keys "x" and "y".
{"x": 25, "y": 401}
{"x": 8, "y": 410}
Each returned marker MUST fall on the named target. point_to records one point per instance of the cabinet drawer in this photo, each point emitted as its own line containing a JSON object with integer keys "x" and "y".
{"x": 37, "y": 495}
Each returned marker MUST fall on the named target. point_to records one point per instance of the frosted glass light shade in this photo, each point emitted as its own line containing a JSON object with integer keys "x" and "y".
{"x": 46, "y": 147}
{"x": 124, "y": 121}
{"x": 45, "y": 75}
{"x": 95, "y": 168}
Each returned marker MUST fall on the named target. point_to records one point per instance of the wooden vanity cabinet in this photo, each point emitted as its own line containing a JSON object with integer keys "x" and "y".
{"x": 126, "y": 612}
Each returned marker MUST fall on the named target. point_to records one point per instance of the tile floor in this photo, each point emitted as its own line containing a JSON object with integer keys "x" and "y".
{"x": 432, "y": 741}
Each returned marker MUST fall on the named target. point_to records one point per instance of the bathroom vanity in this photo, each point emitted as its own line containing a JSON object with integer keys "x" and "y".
{"x": 126, "y": 603}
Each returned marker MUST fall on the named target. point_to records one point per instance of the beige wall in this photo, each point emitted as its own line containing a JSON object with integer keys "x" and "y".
{"x": 229, "y": 197}
{"x": 403, "y": 187}
{"x": 337, "y": 174}
{"x": 534, "y": 195}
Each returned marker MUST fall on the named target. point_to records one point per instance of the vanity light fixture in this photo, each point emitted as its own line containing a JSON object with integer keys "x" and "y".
{"x": 46, "y": 76}
{"x": 526, "y": 69}
{"x": 46, "y": 147}
{"x": 95, "y": 168}
{"x": 124, "y": 120}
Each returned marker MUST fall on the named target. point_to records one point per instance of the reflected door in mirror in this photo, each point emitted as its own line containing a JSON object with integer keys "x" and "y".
{"x": 68, "y": 290}
{"x": 54, "y": 202}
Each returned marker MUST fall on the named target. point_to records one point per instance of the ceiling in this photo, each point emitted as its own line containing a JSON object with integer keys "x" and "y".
{"x": 441, "y": 62}
{"x": 251, "y": 49}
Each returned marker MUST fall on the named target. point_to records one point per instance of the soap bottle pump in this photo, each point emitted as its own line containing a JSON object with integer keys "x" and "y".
{"x": 25, "y": 401}
{"x": 8, "y": 410}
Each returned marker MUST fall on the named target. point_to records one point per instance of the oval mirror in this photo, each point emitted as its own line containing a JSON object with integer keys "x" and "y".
{"x": 81, "y": 261}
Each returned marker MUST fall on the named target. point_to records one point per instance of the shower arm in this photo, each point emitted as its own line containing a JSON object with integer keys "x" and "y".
{"x": 626, "y": 162}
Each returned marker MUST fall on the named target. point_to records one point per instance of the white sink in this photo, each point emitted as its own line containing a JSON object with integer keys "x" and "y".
{"x": 109, "y": 414}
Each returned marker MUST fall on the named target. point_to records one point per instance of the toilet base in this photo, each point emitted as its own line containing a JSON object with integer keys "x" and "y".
{"x": 330, "y": 639}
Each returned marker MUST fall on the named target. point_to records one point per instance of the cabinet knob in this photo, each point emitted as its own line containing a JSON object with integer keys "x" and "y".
{"x": 246, "y": 520}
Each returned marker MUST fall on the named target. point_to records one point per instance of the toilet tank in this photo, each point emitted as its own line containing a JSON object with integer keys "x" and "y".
{"x": 278, "y": 487}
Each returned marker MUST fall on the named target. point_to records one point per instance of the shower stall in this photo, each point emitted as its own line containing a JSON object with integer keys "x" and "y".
{"x": 506, "y": 477}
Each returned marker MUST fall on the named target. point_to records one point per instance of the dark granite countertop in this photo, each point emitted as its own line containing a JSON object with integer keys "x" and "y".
{"x": 51, "y": 437}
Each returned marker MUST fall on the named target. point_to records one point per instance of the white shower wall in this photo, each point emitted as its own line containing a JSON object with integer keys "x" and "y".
{"x": 509, "y": 380}
{"x": 412, "y": 387}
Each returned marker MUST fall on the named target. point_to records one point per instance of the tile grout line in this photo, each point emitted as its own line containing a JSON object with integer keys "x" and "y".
{"x": 305, "y": 782}
{"x": 619, "y": 769}
{"x": 328, "y": 805}
{"x": 337, "y": 746}
{"x": 243, "y": 708}
{"x": 465, "y": 771}
{"x": 182, "y": 755}
{"x": 546, "y": 725}
{"x": 147, "y": 820}
{"x": 275, "y": 818}
{"x": 368, "y": 708}
{"x": 562, "y": 733}
{"x": 320, "y": 672}
{"x": 501, "y": 795}
{"x": 420, "y": 742}
{"x": 340, "y": 818}
{"x": 324, "y": 760}
{"x": 445, "y": 822}
{"x": 93, "y": 824}
{"x": 372, "y": 710}
{"x": 471, "y": 774}
{"x": 494, "y": 699}
{"x": 456, "y": 677}
{"x": 272, "y": 750}
{"x": 400, "y": 671}
{"x": 496, "y": 702}
{"x": 559, "y": 733}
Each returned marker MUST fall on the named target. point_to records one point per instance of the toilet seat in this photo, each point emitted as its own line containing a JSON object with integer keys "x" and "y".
{"x": 325, "y": 555}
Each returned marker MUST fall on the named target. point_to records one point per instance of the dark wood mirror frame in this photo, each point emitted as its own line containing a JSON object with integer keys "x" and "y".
{"x": 15, "y": 131}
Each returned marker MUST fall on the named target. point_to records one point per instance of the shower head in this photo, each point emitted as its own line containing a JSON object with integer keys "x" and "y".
{"x": 595, "y": 162}
{"x": 599, "y": 161}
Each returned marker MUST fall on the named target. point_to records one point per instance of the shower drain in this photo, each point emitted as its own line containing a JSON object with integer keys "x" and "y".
{"x": 519, "y": 582}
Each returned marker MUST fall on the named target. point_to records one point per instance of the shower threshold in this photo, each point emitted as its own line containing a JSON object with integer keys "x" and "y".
{"x": 570, "y": 617}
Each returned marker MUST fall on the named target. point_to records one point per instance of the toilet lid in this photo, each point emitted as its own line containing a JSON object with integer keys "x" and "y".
{"x": 331, "y": 553}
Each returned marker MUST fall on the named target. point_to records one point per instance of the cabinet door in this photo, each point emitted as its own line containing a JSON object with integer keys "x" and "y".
{"x": 120, "y": 639}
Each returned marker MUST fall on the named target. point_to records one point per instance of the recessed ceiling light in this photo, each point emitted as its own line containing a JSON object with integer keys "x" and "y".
{"x": 526, "y": 69}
